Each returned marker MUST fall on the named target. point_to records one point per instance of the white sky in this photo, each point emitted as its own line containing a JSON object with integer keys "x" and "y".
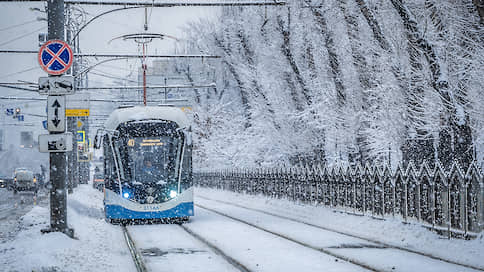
{"x": 93, "y": 39}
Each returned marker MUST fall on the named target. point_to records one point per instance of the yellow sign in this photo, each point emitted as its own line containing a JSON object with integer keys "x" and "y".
{"x": 79, "y": 124}
{"x": 186, "y": 109}
{"x": 77, "y": 112}
{"x": 131, "y": 142}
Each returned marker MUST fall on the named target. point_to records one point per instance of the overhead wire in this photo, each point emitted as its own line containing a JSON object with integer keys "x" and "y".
{"x": 17, "y": 25}
{"x": 112, "y": 21}
{"x": 19, "y": 88}
{"x": 19, "y": 72}
{"x": 151, "y": 12}
{"x": 22, "y": 36}
{"x": 111, "y": 76}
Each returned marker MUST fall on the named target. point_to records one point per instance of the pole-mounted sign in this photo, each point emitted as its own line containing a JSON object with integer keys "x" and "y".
{"x": 55, "y": 57}
{"x": 56, "y": 113}
{"x": 59, "y": 85}
{"x": 55, "y": 142}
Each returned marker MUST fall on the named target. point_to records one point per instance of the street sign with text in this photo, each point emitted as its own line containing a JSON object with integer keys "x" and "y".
{"x": 55, "y": 142}
{"x": 56, "y": 113}
{"x": 77, "y": 112}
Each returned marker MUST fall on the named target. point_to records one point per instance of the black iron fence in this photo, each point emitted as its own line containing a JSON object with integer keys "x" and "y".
{"x": 447, "y": 201}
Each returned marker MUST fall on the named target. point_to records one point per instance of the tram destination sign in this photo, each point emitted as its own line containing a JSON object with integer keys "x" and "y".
{"x": 56, "y": 85}
{"x": 55, "y": 142}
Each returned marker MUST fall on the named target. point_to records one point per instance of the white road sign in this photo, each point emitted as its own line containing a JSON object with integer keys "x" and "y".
{"x": 56, "y": 113}
{"x": 55, "y": 142}
{"x": 56, "y": 85}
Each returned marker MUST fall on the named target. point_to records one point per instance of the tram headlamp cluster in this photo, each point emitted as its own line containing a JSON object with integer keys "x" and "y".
{"x": 173, "y": 194}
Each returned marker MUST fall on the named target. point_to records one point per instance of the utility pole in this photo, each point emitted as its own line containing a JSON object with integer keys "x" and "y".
{"x": 58, "y": 196}
{"x": 70, "y": 127}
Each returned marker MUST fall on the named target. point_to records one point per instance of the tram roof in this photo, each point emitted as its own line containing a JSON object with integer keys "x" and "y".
{"x": 139, "y": 113}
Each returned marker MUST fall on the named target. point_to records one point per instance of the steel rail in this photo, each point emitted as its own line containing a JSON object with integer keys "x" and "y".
{"x": 134, "y": 56}
{"x": 192, "y": 56}
{"x": 150, "y": 87}
{"x": 322, "y": 250}
{"x": 91, "y": 99}
{"x": 174, "y": 4}
{"x": 137, "y": 259}
{"x": 350, "y": 235}
{"x": 217, "y": 250}
{"x": 161, "y": 4}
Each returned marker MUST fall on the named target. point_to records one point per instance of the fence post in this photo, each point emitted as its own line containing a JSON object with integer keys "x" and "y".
{"x": 393, "y": 184}
{"x": 418, "y": 198}
{"x": 405, "y": 201}
{"x": 480, "y": 205}
{"x": 432, "y": 200}
{"x": 463, "y": 207}
{"x": 293, "y": 182}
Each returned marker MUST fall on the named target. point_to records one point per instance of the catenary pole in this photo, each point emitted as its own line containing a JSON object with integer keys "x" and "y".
{"x": 58, "y": 196}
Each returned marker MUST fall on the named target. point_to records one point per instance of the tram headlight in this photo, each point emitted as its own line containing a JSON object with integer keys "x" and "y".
{"x": 173, "y": 194}
{"x": 126, "y": 195}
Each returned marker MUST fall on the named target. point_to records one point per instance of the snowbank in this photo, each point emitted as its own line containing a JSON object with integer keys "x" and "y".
{"x": 99, "y": 246}
{"x": 391, "y": 231}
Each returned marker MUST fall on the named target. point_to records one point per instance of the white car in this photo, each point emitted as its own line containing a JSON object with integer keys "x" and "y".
{"x": 24, "y": 180}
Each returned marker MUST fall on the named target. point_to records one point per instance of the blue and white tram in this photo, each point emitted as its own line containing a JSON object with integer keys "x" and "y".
{"x": 147, "y": 164}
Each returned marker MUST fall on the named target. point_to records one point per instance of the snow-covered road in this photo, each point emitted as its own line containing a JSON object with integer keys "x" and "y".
{"x": 270, "y": 239}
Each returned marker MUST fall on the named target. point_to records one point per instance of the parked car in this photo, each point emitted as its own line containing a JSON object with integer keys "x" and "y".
{"x": 3, "y": 182}
{"x": 98, "y": 181}
{"x": 6, "y": 182}
{"x": 24, "y": 180}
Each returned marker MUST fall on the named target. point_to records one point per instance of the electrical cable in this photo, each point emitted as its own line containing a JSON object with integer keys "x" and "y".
{"x": 22, "y": 36}
{"x": 112, "y": 21}
{"x": 110, "y": 76}
{"x": 17, "y": 25}
{"x": 19, "y": 72}
{"x": 151, "y": 11}
{"x": 19, "y": 88}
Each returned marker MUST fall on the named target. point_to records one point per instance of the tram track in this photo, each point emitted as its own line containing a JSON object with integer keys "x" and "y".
{"x": 216, "y": 250}
{"x": 137, "y": 259}
{"x": 324, "y": 250}
{"x": 280, "y": 235}
{"x": 141, "y": 267}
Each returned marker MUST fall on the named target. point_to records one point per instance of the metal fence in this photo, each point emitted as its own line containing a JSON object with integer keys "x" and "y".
{"x": 448, "y": 201}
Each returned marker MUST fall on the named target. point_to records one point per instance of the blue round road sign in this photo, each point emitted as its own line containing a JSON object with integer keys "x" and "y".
{"x": 55, "y": 57}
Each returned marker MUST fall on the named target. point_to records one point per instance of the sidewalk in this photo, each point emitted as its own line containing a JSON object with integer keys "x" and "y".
{"x": 98, "y": 246}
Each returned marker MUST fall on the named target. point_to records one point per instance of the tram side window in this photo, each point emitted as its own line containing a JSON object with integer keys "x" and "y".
{"x": 186, "y": 174}
{"x": 109, "y": 167}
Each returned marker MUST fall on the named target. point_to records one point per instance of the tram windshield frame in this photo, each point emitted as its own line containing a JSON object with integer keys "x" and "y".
{"x": 158, "y": 141}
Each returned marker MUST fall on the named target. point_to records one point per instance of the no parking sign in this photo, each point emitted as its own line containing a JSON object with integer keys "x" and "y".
{"x": 55, "y": 57}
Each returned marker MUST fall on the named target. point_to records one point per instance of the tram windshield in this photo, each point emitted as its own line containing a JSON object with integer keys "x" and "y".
{"x": 153, "y": 159}
{"x": 145, "y": 153}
